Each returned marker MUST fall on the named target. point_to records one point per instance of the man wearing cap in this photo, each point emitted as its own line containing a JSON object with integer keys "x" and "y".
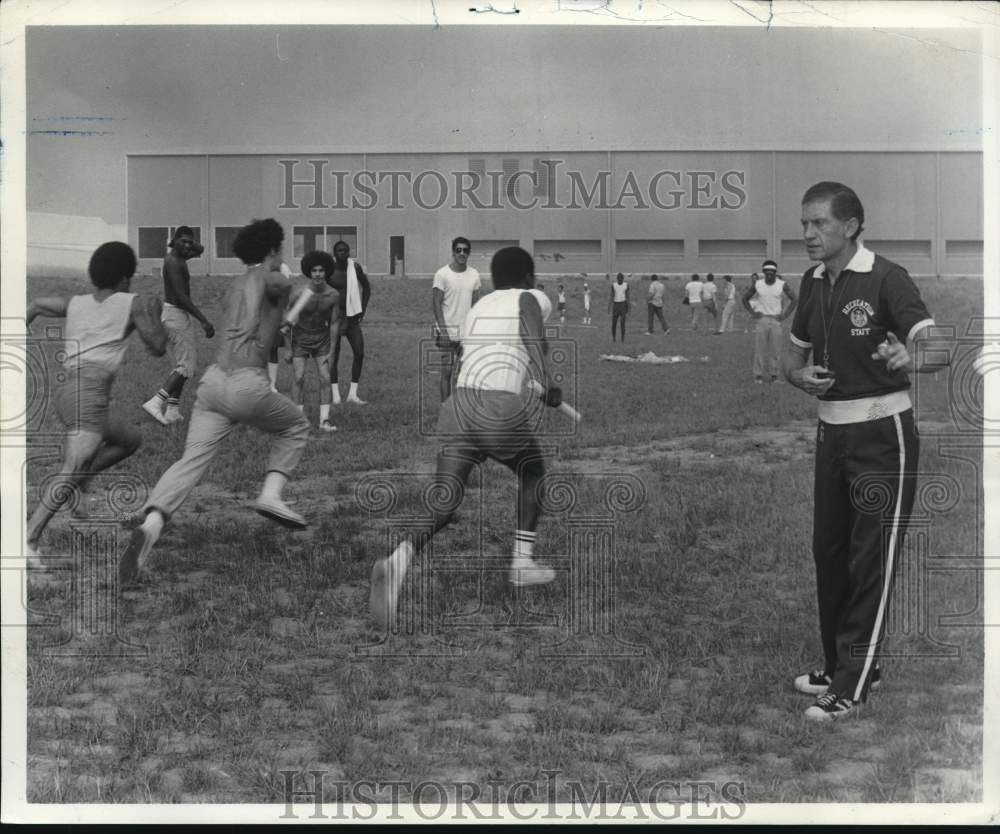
{"x": 764, "y": 301}
{"x": 178, "y": 317}
{"x": 858, "y": 317}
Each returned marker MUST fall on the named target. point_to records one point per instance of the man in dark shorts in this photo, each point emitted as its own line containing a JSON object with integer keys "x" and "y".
{"x": 350, "y": 281}
{"x": 310, "y": 335}
{"x": 489, "y": 415}
{"x": 97, "y": 329}
{"x": 179, "y": 316}
{"x": 233, "y": 391}
{"x": 858, "y": 316}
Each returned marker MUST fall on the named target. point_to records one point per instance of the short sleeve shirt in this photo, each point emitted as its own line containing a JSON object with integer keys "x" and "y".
{"x": 844, "y": 324}
{"x": 693, "y": 290}
{"x": 458, "y": 288}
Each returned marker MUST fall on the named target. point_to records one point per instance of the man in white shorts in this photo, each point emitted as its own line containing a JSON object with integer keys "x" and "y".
{"x": 489, "y": 415}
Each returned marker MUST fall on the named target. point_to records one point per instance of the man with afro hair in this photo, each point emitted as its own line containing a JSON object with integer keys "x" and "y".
{"x": 233, "y": 391}
{"x": 310, "y": 334}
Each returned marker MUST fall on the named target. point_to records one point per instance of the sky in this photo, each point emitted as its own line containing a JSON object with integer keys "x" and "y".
{"x": 95, "y": 94}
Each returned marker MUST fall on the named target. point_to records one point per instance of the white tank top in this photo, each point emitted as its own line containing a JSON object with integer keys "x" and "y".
{"x": 769, "y": 296}
{"x": 96, "y": 331}
{"x": 619, "y": 291}
{"x": 493, "y": 355}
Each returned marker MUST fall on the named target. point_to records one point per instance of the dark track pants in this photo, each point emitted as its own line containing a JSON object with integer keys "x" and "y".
{"x": 864, "y": 488}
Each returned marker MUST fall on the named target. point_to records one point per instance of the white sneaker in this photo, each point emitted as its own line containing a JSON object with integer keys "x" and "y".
{"x": 326, "y": 425}
{"x": 154, "y": 408}
{"x": 525, "y": 571}
{"x": 386, "y": 583}
{"x": 173, "y": 415}
{"x": 356, "y": 401}
{"x": 277, "y": 510}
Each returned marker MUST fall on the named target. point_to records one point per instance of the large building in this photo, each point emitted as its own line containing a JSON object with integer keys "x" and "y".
{"x": 591, "y": 212}
{"x": 597, "y": 148}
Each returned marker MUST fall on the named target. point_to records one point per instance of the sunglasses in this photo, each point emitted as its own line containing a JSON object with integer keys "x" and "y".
{"x": 460, "y": 249}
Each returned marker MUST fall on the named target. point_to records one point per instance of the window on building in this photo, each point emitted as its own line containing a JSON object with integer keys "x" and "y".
{"x": 511, "y": 185}
{"x": 542, "y": 173}
{"x": 553, "y": 252}
{"x": 963, "y": 248}
{"x": 322, "y": 238}
{"x": 893, "y": 249}
{"x": 649, "y": 248}
{"x": 478, "y": 167}
{"x": 484, "y": 250}
{"x": 224, "y": 237}
{"x": 732, "y": 248}
{"x": 153, "y": 241}
{"x": 793, "y": 248}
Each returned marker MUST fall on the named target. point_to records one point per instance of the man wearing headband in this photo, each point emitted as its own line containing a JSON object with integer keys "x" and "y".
{"x": 179, "y": 315}
{"x": 764, "y": 301}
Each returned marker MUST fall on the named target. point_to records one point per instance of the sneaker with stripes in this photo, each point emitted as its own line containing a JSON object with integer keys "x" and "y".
{"x": 830, "y": 707}
{"x": 817, "y": 681}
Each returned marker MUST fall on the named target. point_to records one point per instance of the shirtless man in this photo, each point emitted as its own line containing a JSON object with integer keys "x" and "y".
{"x": 179, "y": 315}
{"x": 235, "y": 390}
{"x": 311, "y": 333}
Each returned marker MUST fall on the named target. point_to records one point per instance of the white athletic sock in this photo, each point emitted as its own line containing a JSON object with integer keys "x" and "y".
{"x": 335, "y": 393}
{"x": 401, "y": 556}
{"x": 353, "y": 393}
{"x": 272, "y": 373}
{"x": 302, "y": 407}
{"x": 324, "y": 412}
{"x": 274, "y": 483}
{"x": 524, "y": 544}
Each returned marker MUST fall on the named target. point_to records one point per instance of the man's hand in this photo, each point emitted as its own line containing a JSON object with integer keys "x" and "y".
{"x": 894, "y": 353}
{"x": 813, "y": 379}
{"x": 209, "y": 330}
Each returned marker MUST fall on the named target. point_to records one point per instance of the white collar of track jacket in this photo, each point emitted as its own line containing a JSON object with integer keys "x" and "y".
{"x": 863, "y": 261}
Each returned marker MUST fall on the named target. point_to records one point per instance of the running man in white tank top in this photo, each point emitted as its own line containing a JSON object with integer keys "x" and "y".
{"x": 97, "y": 329}
{"x": 489, "y": 415}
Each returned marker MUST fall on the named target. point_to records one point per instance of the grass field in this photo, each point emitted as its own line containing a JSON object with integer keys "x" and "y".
{"x": 259, "y": 657}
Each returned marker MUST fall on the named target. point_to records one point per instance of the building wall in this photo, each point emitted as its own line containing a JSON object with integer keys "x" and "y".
{"x": 591, "y": 212}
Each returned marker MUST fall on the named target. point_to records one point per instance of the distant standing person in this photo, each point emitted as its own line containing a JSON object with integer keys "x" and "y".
{"x": 728, "y": 290}
{"x": 654, "y": 304}
{"x": 98, "y": 325}
{"x": 562, "y": 304}
{"x": 619, "y": 305}
{"x": 764, "y": 301}
{"x": 709, "y": 290}
{"x": 350, "y": 281}
{"x": 179, "y": 315}
{"x": 233, "y": 391}
{"x": 456, "y": 288}
{"x": 310, "y": 335}
{"x": 692, "y": 296}
{"x": 586, "y": 304}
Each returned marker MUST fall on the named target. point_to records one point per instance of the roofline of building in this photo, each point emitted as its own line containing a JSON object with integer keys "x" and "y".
{"x": 280, "y": 150}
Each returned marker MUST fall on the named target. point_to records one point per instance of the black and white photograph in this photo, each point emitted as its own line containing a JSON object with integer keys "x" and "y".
{"x": 551, "y": 411}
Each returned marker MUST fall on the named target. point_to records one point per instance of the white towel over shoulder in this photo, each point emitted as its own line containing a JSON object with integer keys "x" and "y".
{"x": 353, "y": 290}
